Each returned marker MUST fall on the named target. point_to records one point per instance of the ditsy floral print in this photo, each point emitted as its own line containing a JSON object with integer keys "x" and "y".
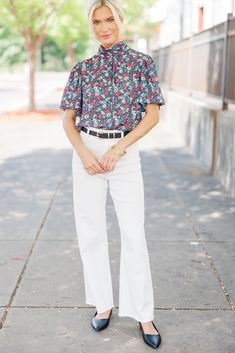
{"x": 111, "y": 89}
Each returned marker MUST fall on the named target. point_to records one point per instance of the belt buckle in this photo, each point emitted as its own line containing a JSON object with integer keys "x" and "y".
{"x": 99, "y": 133}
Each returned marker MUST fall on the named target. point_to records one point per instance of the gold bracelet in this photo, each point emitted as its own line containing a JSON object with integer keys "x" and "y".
{"x": 117, "y": 151}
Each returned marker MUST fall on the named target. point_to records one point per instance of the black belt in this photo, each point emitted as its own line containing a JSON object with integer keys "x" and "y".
{"x": 104, "y": 134}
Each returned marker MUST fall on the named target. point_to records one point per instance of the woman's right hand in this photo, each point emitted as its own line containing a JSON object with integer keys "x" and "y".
{"x": 90, "y": 163}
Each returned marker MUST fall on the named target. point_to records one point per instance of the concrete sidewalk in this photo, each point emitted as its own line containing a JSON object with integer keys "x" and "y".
{"x": 190, "y": 230}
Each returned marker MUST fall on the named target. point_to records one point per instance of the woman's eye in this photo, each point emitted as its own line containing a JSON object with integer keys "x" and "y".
{"x": 110, "y": 19}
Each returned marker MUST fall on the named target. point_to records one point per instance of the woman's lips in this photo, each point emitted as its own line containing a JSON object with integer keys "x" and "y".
{"x": 105, "y": 37}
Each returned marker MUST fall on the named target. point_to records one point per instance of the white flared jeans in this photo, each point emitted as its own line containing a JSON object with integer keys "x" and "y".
{"x": 89, "y": 197}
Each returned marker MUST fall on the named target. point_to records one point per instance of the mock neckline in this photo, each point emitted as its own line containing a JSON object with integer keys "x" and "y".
{"x": 115, "y": 48}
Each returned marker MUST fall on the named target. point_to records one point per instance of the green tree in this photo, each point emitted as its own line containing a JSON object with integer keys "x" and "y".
{"x": 11, "y": 52}
{"x": 31, "y": 20}
{"x": 70, "y": 29}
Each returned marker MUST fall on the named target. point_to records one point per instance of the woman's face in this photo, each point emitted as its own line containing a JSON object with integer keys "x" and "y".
{"x": 105, "y": 27}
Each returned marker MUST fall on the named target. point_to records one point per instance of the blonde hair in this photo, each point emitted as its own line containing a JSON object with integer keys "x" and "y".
{"x": 115, "y": 7}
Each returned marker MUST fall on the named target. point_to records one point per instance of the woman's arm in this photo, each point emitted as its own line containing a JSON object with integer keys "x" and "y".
{"x": 150, "y": 119}
{"x": 73, "y": 135}
{"x": 89, "y": 161}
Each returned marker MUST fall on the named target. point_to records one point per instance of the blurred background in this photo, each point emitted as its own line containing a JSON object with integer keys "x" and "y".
{"x": 191, "y": 41}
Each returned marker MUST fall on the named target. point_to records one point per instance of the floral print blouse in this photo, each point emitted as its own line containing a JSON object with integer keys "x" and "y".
{"x": 110, "y": 90}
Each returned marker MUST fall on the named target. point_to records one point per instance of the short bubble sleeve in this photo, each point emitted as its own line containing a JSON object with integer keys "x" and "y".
{"x": 150, "y": 91}
{"x": 72, "y": 95}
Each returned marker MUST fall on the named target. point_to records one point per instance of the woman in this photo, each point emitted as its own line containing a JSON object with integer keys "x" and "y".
{"x": 103, "y": 100}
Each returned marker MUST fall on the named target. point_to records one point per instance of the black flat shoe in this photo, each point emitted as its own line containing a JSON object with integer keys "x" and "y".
{"x": 100, "y": 324}
{"x": 152, "y": 340}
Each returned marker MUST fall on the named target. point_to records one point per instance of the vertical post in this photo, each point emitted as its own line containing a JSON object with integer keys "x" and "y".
{"x": 214, "y": 141}
{"x": 224, "y": 67}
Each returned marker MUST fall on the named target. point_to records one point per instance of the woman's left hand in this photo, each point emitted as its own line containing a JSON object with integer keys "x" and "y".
{"x": 109, "y": 160}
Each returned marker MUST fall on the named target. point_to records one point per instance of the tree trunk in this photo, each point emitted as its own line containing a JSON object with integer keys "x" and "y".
{"x": 32, "y": 56}
{"x": 71, "y": 55}
{"x": 32, "y": 45}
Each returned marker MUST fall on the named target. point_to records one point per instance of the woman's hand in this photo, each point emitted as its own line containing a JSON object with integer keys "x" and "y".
{"x": 90, "y": 162}
{"x": 109, "y": 160}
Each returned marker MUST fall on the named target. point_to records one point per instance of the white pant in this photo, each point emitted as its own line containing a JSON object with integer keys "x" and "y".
{"x": 127, "y": 191}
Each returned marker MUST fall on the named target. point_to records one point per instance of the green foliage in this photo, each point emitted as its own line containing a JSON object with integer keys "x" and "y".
{"x": 52, "y": 56}
{"x": 21, "y": 15}
{"x": 70, "y": 24}
{"x": 11, "y": 49}
{"x": 70, "y": 27}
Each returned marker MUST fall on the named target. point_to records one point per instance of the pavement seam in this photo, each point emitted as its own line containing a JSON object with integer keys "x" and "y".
{"x": 3, "y": 318}
{"x": 197, "y": 234}
{"x": 116, "y": 307}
